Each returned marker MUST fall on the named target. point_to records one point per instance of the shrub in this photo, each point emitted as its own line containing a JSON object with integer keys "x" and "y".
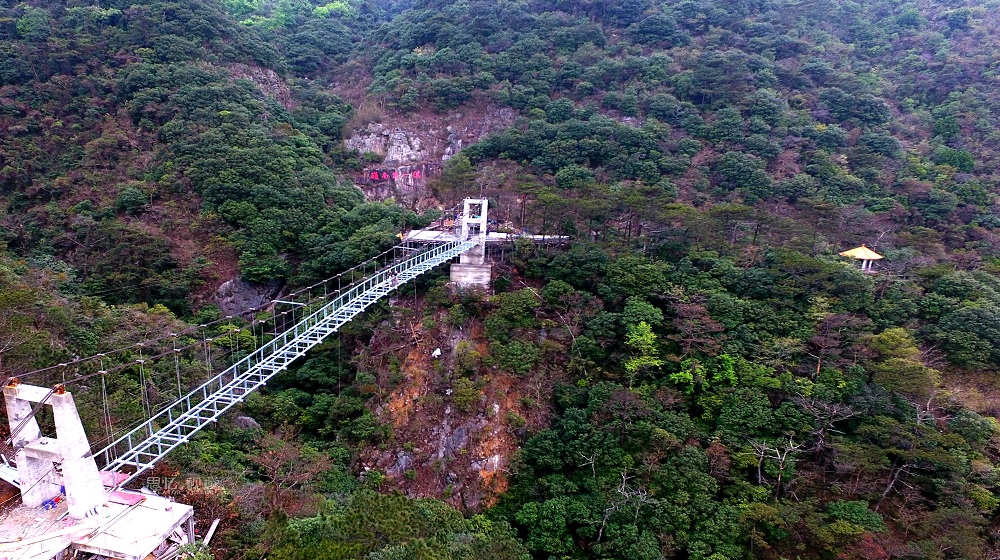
{"x": 464, "y": 394}
{"x": 857, "y": 513}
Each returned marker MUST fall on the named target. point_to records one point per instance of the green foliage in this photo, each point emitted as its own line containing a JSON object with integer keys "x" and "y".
{"x": 640, "y": 339}
{"x": 35, "y": 24}
{"x": 746, "y": 174}
{"x": 566, "y": 148}
{"x": 464, "y": 394}
{"x": 467, "y": 358}
{"x": 658, "y": 29}
{"x": 574, "y": 177}
{"x": 377, "y": 526}
{"x": 973, "y": 427}
{"x": 196, "y": 551}
{"x": 556, "y": 292}
{"x": 701, "y": 375}
{"x": 865, "y": 109}
{"x": 634, "y": 276}
{"x": 639, "y": 311}
{"x": 984, "y": 500}
{"x": 574, "y": 484}
{"x": 516, "y": 356}
{"x": 211, "y": 139}
{"x": 338, "y": 8}
{"x": 946, "y": 127}
{"x": 240, "y": 9}
{"x": 511, "y": 310}
{"x": 457, "y": 178}
{"x": 856, "y": 513}
{"x": 971, "y": 335}
{"x": 959, "y": 159}
{"x": 131, "y": 200}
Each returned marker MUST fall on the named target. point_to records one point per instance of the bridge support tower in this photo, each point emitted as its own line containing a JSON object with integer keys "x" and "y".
{"x": 472, "y": 268}
{"x": 37, "y": 456}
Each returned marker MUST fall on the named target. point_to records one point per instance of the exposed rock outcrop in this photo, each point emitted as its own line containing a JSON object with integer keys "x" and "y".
{"x": 396, "y": 145}
{"x": 238, "y": 297}
{"x": 246, "y": 423}
{"x": 460, "y": 453}
{"x": 267, "y": 81}
{"x": 412, "y": 151}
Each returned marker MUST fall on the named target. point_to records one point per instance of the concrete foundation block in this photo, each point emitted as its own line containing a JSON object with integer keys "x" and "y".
{"x": 471, "y": 274}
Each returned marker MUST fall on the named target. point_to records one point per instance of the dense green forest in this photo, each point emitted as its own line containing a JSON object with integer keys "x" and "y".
{"x": 696, "y": 374}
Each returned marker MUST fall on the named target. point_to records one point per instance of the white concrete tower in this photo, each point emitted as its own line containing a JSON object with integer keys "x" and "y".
{"x": 474, "y": 212}
{"x": 37, "y": 456}
{"x": 472, "y": 269}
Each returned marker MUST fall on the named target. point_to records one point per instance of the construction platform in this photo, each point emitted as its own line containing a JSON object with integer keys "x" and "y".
{"x": 130, "y": 526}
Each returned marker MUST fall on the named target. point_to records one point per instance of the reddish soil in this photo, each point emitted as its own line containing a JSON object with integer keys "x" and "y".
{"x": 436, "y": 449}
{"x": 193, "y": 239}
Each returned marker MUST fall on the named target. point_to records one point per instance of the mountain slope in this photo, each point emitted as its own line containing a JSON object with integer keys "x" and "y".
{"x": 696, "y": 374}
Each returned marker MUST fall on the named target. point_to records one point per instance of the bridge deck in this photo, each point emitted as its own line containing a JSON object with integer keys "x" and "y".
{"x": 144, "y": 446}
{"x": 492, "y": 238}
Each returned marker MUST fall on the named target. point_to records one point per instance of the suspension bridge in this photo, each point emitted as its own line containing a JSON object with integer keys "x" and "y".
{"x": 44, "y": 467}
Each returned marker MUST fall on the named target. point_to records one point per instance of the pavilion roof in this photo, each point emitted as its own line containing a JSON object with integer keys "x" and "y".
{"x": 862, "y": 253}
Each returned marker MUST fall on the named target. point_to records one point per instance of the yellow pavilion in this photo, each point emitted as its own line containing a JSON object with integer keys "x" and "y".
{"x": 865, "y": 255}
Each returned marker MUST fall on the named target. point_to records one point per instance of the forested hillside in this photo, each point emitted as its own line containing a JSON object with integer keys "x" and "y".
{"x": 695, "y": 374}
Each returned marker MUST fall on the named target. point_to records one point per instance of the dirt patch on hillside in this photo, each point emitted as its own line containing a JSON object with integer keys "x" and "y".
{"x": 976, "y": 391}
{"x": 442, "y": 446}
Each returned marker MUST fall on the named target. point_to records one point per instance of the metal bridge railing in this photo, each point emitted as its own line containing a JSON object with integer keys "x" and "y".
{"x": 142, "y": 447}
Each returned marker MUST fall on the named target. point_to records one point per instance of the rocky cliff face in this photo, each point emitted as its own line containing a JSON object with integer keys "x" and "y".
{"x": 238, "y": 297}
{"x": 407, "y": 159}
{"x": 414, "y": 150}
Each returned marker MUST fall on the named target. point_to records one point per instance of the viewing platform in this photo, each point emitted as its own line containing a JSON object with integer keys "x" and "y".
{"x": 130, "y": 526}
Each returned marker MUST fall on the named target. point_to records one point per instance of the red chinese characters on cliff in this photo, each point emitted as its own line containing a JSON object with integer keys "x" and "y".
{"x": 380, "y": 175}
